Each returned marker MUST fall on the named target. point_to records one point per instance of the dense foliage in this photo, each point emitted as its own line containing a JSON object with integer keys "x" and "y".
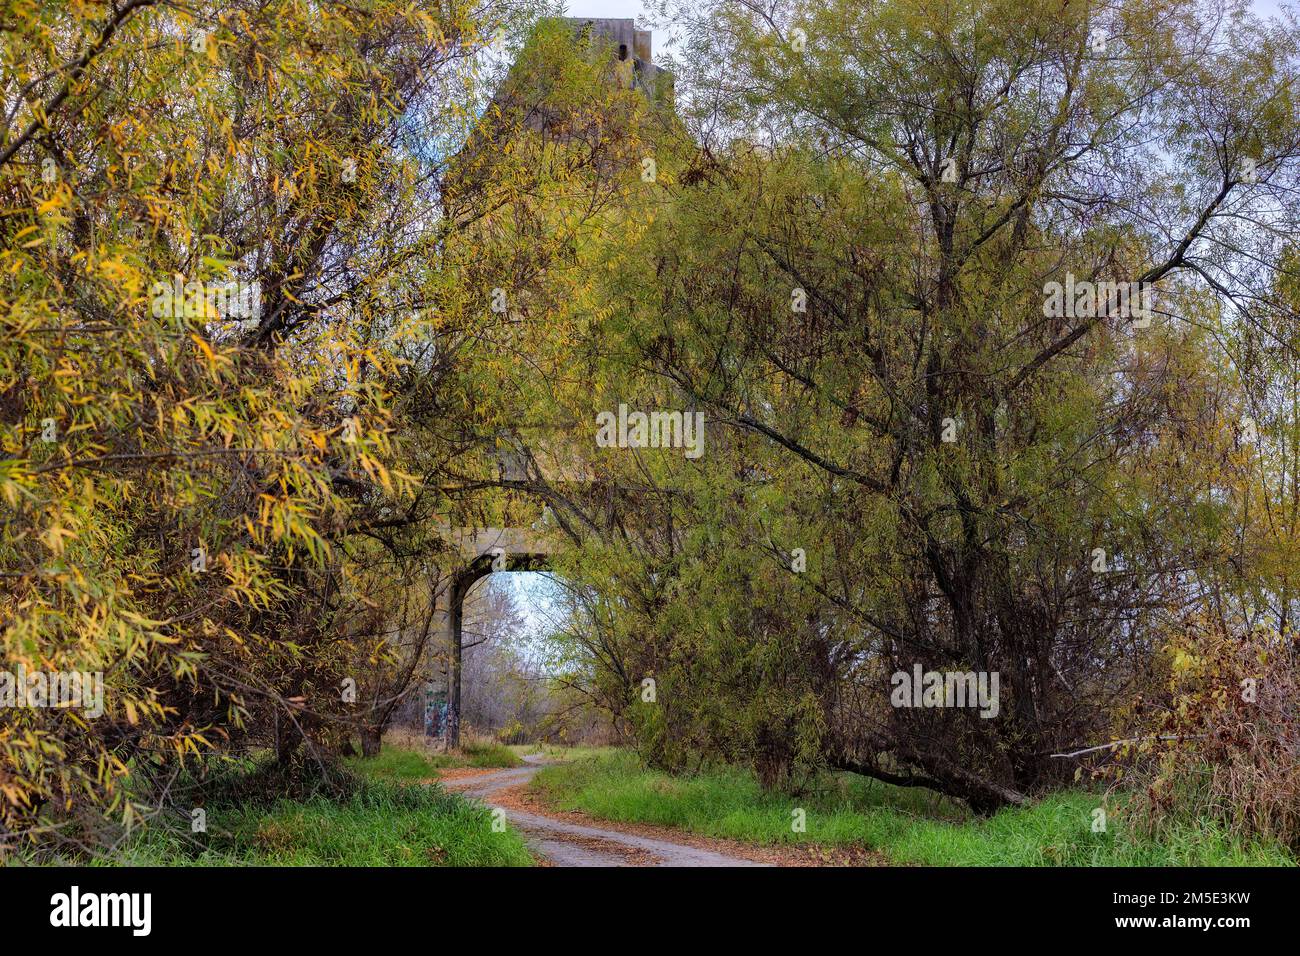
{"x": 917, "y": 454}
{"x": 283, "y": 284}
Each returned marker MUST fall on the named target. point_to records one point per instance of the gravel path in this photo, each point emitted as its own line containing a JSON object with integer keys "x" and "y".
{"x": 573, "y": 844}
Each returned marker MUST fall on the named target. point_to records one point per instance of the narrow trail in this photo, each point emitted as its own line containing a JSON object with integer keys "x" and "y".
{"x": 572, "y": 844}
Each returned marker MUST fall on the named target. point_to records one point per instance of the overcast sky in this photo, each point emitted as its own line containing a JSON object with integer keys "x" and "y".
{"x": 605, "y": 8}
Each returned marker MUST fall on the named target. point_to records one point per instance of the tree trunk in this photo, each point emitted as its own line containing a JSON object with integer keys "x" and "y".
{"x": 454, "y": 671}
{"x": 371, "y": 741}
{"x": 982, "y": 795}
{"x": 287, "y": 739}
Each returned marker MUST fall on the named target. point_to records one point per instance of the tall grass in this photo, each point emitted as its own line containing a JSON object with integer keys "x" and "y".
{"x": 907, "y": 825}
{"x": 402, "y": 764}
{"x": 368, "y": 813}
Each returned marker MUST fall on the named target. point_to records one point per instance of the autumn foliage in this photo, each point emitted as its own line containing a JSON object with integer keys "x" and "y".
{"x": 280, "y": 280}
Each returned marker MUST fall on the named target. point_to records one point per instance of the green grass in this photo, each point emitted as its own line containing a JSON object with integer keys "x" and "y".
{"x": 561, "y": 752}
{"x": 372, "y": 812}
{"x": 907, "y": 825}
{"x": 382, "y": 824}
{"x": 406, "y": 765}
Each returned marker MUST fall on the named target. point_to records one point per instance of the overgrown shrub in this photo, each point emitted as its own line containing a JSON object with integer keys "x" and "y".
{"x": 1223, "y": 743}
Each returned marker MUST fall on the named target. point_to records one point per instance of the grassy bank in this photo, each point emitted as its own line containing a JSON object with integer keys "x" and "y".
{"x": 380, "y": 816}
{"x": 380, "y": 825}
{"x": 906, "y": 825}
{"x": 561, "y": 752}
{"x": 401, "y": 764}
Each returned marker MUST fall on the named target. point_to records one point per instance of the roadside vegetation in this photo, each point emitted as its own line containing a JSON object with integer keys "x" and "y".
{"x": 405, "y": 764}
{"x": 378, "y": 811}
{"x": 562, "y": 752}
{"x": 907, "y": 825}
{"x": 381, "y": 824}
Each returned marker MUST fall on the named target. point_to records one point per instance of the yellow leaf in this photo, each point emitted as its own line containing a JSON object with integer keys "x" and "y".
{"x": 205, "y": 348}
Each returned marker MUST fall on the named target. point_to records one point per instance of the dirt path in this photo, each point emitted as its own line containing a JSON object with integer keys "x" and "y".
{"x": 563, "y": 843}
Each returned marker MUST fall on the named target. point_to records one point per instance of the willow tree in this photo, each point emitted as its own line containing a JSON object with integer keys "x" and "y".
{"x": 222, "y": 284}
{"x": 955, "y": 284}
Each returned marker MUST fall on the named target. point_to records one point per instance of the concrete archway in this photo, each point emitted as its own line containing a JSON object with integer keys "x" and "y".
{"x": 485, "y": 551}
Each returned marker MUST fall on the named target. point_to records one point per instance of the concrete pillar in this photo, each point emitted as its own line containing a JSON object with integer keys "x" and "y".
{"x": 456, "y": 621}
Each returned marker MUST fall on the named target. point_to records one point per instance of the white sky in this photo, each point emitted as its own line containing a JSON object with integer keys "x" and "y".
{"x": 635, "y": 8}
{"x": 605, "y": 8}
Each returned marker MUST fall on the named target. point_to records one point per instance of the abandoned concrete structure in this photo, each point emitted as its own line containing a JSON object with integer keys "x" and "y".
{"x": 632, "y": 50}
{"x": 484, "y": 550}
